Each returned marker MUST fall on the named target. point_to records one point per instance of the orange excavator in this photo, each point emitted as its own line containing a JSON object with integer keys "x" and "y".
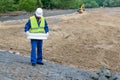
{"x": 82, "y": 8}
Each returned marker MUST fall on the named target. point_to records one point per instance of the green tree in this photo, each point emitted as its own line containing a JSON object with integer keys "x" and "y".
{"x": 38, "y": 3}
{"x": 114, "y": 3}
{"x": 79, "y": 2}
{"x": 106, "y": 3}
{"x": 91, "y": 3}
{"x": 56, "y": 3}
{"x": 6, "y": 5}
{"x": 29, "y": 5}
{"x": 16, "y": 1}
{"x": 100, "y": 2}
{"x": 118, "y": 3}
{"x": 65, "y": 4}
{"x": 47, "y": 4}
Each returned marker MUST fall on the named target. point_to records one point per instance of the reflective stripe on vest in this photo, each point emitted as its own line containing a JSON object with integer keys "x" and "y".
{"x": 34, "y": 25}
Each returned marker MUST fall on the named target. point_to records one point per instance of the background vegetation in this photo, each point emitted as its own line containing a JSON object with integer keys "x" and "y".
{"x": 31, "y": 5}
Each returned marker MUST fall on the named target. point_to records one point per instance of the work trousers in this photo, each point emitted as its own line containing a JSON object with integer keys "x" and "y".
{"x": 36, "y": 51}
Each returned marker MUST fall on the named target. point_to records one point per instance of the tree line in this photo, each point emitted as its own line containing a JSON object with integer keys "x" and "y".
{"x": 31, "y": 5}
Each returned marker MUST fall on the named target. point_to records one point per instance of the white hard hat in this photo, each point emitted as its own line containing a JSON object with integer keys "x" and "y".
{"x": 39, "y": 12}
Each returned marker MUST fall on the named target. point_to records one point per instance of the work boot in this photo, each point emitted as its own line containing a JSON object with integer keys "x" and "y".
{"x": 40, "y": 63}
{"x": 33, "y": 64}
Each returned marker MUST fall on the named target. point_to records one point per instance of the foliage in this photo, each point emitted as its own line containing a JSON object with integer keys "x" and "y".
{"x": 6, "y": 5}
{"x": 106, "y": 3}
{"x": 91, "y": 3}
{"x": 114, "y": 3}
{"x": 65, "y": 4}
{"x": 47, "y": 4}
{"x": 16, "y": 1}
{"x": 79, "y": 3}
{"x": 29, "y": 5}
{"x": 100, "y": 2}
{"x": 38, "y": 3}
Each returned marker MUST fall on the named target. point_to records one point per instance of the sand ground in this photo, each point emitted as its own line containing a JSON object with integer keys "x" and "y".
{"x": 86, "y": 41}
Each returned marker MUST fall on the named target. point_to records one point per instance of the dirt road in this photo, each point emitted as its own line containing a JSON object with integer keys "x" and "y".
{"x": 85, "y": 41}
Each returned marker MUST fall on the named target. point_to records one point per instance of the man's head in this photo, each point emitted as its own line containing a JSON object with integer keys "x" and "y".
{"x": 39, "y": 12}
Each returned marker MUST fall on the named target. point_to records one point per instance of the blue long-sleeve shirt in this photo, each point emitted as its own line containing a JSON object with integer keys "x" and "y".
{"x": 28, "y": 26}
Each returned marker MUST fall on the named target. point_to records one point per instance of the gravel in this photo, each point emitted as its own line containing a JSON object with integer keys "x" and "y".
{"x": 17, "y": 67}
{"x": 25, "y": 15}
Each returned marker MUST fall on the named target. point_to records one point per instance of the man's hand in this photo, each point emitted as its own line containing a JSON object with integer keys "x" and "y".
{"x": 27, "y": 32}
{"x": 47, "y": 33}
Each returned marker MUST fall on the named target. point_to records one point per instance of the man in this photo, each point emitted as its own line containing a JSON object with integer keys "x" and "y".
{"x": 36, "y": 24}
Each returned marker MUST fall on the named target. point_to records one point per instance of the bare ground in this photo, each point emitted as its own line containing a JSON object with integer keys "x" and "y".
{"x": 85, "y": 41}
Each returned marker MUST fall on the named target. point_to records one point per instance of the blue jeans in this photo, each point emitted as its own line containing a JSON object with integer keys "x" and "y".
{"x": 36, "y": 51}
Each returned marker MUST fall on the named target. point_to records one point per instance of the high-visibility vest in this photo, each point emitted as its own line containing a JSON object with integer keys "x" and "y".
{"x": 35, "y": 28}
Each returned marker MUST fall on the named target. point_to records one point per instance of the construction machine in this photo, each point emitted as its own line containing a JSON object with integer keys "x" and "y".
{"x": 82, "y": 8}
